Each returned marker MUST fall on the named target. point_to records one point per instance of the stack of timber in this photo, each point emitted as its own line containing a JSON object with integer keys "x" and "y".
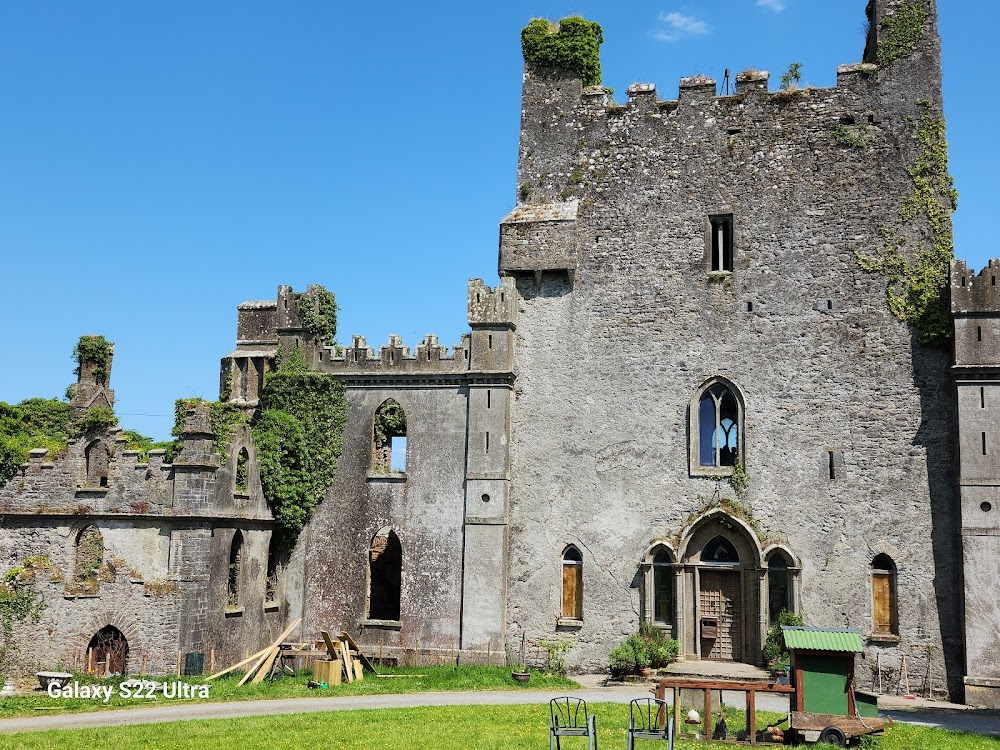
{"x": 344, "y": 660}
{"x": 344, "y": 657}
{"x": 262, "y": 661}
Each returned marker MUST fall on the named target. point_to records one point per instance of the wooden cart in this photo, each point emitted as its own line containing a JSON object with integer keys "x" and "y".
{"x": 824, "y": 704}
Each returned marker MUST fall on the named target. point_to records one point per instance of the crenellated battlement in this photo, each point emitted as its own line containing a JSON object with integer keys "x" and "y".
{"x": 394, "y": 357}
{"x": 972, "y": 292}
{"x": 492, "y": 306}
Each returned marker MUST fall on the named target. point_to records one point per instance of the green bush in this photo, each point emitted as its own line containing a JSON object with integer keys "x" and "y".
{"x": 774, "y": 644}
{"x": 574, "y": 44}
{"x": 622, "y": 658}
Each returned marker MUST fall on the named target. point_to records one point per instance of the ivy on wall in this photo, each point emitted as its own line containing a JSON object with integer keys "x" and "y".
{"x": 19, "y": 600}
{"x": 917, "y": 289}
{"x": 95, "y": 419}
{"x": 96, "y": 351}
{"x": 299, "y": 438}
{"x": 572, "y": 44}
{"x": 225, "y": 417}
{"x": 900, "y": 33}
{"x": 318, "y": 314}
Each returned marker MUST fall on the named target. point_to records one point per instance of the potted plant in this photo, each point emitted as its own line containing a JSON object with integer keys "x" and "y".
{"x": 774, "y": 645}
{"x": 640, "y": 646}
{"x": 521, "y": 673}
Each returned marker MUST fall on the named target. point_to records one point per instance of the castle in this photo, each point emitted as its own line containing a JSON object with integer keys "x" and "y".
{"x": 690, "y": 401}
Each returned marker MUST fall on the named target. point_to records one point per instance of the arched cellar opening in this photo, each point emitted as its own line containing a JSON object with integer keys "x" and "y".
{"x": 107, "y": 653}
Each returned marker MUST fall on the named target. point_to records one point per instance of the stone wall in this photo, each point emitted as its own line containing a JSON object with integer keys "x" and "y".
{"x": 609, "y": 356}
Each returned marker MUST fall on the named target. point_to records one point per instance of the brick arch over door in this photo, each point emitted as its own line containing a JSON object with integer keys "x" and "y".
{"x": 126, "y": 626}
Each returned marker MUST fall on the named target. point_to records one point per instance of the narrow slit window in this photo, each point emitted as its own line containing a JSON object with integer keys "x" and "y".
{"x": 490, "y": 341}
{"x": 831, "y": 464}
{"x": 233, "y": 578}
{"x": 722, "y": 243}
{"x": 488, "y": 399}
{"x": 487, "y": 442}
{"x": 982, "y": 397}
{"x": 979, "y": 333}
{"x": 984, "y": 443}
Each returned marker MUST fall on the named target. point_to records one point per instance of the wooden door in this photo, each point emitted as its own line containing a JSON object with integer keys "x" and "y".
{"x": 720, "y": 596}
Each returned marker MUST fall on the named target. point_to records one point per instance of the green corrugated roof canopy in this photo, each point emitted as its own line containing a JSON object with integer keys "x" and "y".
{"x": 822, "y": 639}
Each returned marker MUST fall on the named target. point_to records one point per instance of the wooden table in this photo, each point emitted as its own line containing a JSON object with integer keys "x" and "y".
{"x": 750, "y": 688}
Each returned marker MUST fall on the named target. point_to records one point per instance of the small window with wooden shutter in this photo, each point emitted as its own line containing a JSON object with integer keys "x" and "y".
{"x": 572, "y": 584}
{"x": 884, "y": 596}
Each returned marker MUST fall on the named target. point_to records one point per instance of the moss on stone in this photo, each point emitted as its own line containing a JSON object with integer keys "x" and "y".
{"x": 900, "y": 33}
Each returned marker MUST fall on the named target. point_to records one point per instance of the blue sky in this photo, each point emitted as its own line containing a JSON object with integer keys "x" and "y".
{"x": 163, "y": 162}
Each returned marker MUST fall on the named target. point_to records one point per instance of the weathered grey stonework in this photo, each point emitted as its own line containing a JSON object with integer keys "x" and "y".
{"x": 609, "y": 358}
{"x": 975, "y": 306}
{"x": 570, "y": 417}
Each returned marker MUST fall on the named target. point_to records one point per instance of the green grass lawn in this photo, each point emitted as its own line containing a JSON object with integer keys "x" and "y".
{"x": 430, "y": 728}
{"x": 226, "y": 689}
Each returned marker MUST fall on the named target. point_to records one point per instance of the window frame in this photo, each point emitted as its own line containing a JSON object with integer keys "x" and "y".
{"x": 889, "y": 574}
{"x": 573, "y": 567}
{"x": 721, "y": 258}
{"x": 667, "y": 568}
{"x": 695, "y": 466}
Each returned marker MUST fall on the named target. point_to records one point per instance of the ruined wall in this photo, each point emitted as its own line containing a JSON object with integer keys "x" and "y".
{"x": 162, "y": 574}
{"x": 611, "y": 351}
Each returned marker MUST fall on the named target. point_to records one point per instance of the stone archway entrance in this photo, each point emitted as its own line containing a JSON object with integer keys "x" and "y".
{"x": 721, "y": 570}
{"x": 107, "y": 652}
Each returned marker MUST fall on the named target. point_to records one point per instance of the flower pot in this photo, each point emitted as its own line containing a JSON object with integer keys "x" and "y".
{"x": 645, "y": 672}
{"x": 521, "y": 676}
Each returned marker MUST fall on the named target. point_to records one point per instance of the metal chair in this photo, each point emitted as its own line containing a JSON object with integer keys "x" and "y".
{"x": 568, "y": 717}
{"x": 644, "y": 722}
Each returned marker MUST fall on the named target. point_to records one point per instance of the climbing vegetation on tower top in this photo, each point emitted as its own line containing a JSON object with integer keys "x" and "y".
{"x": 572, "y": 44}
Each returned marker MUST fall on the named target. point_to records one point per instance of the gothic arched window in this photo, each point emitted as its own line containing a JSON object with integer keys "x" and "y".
{"x": 660, "y": 585}
{"x": 389, "y": 439}
{"x": 716, "y": 429}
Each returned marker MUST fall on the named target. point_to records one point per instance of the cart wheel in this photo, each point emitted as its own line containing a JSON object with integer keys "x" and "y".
{"x": 833, "y": 736}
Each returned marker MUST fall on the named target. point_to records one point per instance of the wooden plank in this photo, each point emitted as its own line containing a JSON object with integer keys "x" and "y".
{"x": 752, "y": 716}
{"x": 852, "y": 726}
{"x": 348, "y": 666}
{"x": 708, "y": 714}
{"x": 265, "y": 669}
{"x": 329, "y": 643}
{"x": 254, "y": 668}
{"x": 762, "y": 687}
{"x": 346, "y": 637}
{"x": 259, "y": 654}
{"x": 359, "y": 671}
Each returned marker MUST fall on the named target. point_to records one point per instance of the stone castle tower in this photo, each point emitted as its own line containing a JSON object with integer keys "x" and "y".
{"x": 701, "y": 394}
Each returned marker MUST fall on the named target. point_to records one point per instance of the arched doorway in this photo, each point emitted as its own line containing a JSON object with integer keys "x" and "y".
{"x": 721, "y": 601}
{"x": 722, "y": 565}
{"x": 107, "y": 653}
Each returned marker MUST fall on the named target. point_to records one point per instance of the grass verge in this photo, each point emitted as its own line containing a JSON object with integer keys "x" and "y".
{"x": 432, "y": 728}
{"x": 426, "y": 679}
